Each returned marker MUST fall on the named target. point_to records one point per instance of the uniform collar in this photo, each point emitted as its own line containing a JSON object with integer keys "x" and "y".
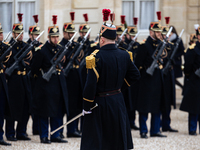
{"x": 65, "y": 41}
{"x": 52, "y": 48}
{"x": 109, "y": 47}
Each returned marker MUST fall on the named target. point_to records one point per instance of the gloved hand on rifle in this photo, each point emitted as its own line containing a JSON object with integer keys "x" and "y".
{"x": 86, "y": 112}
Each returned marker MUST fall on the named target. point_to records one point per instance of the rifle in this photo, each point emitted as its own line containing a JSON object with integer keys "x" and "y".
{"x": 82, "y": 63}
{"x": 76, "y": 117}
{"x": 49, "y": 73}
{"x": 9, "y": 49}
{"x": 169, "y": 62}
{"x": 68, "y": 67}
{"x": 7, "y": 36}
{"x": 120, "y": 38}
{"x": 132, "y": 42}
{"x": 156, "y": 58}
{"x": 10, "y": 70}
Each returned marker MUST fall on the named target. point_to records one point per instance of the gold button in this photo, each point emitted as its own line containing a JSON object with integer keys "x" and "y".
{"x": 17, "y": 47}
{"x": 58, "y": 73}
{"x": 52, "y": 49}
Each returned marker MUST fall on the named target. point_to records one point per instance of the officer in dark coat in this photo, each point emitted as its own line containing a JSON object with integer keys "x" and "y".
{"x": 177, "y": 59}
{"x": 49, "y": 98}
{"x": 73, "y": 81}
{"x": 190, "y": 102}
{"x": 34, "y": 31}
{"x": 18, "y": 88}
{"x": 131, "y": 33}
{"x": 169, "y": 87}
{"x": 151, "y": 94}
{"x": 107, "y": 127}
{"x": 4, "y": 100}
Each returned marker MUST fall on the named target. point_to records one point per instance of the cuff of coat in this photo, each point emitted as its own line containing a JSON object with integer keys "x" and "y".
{"x": 87, "y": 104}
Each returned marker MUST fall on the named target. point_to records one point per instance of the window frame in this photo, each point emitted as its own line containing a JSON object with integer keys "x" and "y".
{"x": 137, "y": 12}
{"x": 15, "y": 8}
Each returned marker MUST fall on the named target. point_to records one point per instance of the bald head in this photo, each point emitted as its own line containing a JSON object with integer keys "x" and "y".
{"x": 104, "y": 41}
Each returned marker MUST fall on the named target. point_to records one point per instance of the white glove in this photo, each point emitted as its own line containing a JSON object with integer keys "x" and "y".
{"x": 86, "y": 112}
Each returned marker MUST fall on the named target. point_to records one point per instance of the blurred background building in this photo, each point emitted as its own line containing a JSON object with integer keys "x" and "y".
{"x": 183, "y": 13}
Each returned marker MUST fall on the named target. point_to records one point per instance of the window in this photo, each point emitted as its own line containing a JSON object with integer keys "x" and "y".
{"x": 9, "y": 10}
{"x": 145, "y": 10}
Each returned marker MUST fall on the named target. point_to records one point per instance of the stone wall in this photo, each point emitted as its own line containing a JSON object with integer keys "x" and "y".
{"x": 183, "y": 13}
{"x": 62, "y": 8}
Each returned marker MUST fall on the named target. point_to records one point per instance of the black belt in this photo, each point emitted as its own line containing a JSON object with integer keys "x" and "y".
{"x": 109, "y": 93}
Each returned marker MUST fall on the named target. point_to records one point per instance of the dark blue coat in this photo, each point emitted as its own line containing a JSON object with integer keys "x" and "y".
{"x": 3, "y": 84}
{"x": 108, "y": 125}
{"x": 18, "y": 85}
{"x": 191, "y": 97}
{"x": 74, "y": 82}
{"x": 169, "y": 80}
{"x": 177, "y": 59}
{"x": 151, "y": 91}
{"x": 49, "y": 98}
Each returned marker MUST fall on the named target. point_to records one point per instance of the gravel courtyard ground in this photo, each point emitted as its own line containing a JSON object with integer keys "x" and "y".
{"x": 174, "y": 141}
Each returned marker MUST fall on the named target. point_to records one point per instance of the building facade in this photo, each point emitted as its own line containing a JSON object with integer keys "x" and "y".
{"x": 183, "y": 13}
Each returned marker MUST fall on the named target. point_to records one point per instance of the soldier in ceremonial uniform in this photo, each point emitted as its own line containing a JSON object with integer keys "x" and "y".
{"x": 34, "y": 32}
{"x": 169, "y": 82}
{"x": 88, "y": 48}
{"x": 119, "y": 30}
{"x": 193, "y": 38}
{"x": 50, "y": 99}
{"x": 177, "y": 59}
{"x": 107, "y": 127}
{"x": 73, "y": 80}
{"x": 190, "y": 102}
{"x": 131, "y": 33}
{"x": 18, "y": 88}
{"x": 152, "y": 86}
{"x": 4, "y": 100}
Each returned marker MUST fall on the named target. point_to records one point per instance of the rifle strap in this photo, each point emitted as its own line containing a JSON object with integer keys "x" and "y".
{"x": 91, "y": 62}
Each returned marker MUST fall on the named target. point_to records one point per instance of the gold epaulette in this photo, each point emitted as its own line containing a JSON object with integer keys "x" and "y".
{"x": 94, "y": 44}
{"x": 185, "y": 51}
{"x": 134, "y": 47}
{"x": 131, "y": 55}
{"x": 171, "y": 43}
{"x": 91, "y": 62}
{"x": 38, "y": 48}
{"x": 59, "y": 44}
{"x": 192, "y": 46}
{"x": 7, "y": 43}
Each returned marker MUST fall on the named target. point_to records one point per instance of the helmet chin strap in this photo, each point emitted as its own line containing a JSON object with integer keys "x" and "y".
{"x": 51, "y": 42}
{"x": 32, "y": 37}
{"x": 155, "y": 35}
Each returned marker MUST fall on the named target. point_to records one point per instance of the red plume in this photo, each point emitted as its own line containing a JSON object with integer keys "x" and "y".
{"x": 54, "y": 19}
{"x": 106, "y": 13}
{"x": 123, "y": 19}
{"x": 135, "y": 20}
{"x": 85, "y": 17}
{"x": 35, "y": 18}
{"x": 20, "y": 17}
{"x": 72, "y": 16}
{"x": 112, "y": 17}
{"x": 167, "y": 20}
{"x": 159, "y": 15}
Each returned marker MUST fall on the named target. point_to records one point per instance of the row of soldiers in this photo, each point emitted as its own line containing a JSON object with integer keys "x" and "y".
{"x": 26, "y": 92}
